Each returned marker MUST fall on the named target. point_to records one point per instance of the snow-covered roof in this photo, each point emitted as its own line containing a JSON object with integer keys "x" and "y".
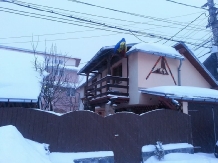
{"x": 186, "y": 93}
{"x": 19, "y": 80}
{"x": 9, "y": 48}
{"x": 156, "y": 49}
{"x": 73, "y": 68}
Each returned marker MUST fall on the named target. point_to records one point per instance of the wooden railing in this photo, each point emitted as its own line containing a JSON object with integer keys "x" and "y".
{"x": 109, "y": 85}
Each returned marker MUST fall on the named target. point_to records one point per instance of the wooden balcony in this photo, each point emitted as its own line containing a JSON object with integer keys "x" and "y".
{"x": 108, "y": 87}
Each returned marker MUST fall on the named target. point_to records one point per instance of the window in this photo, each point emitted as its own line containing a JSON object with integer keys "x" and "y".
{"x": 71, "y": 92}
{"x": 94, "y": 80}
{"x": 59, "y": 72}
{"x": 58, "y": 61}
{"x": 117, "y": 71}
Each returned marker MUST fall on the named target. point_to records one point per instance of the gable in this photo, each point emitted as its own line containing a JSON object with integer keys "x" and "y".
{"x": 183, "y": 49}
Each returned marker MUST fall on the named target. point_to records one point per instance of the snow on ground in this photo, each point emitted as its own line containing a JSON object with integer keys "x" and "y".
{"x": 184, "y": 158}
{"x": 14, "y": 148}
{"x": 57, "y": 157}
{"x": 149, "y": 148}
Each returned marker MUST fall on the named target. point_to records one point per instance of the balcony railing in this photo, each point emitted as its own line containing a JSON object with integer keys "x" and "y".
{"x": 108, "y": 86}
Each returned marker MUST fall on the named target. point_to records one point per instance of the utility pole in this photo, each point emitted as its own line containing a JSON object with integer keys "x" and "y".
{"x": 213, "y": 24}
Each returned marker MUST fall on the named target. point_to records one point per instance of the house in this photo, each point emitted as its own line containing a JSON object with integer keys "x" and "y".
{"x": 211, "y": 63}
{"x": 20, "y": 83}
{"x": 62, "y": 67}
{"x": 132, "y": 82}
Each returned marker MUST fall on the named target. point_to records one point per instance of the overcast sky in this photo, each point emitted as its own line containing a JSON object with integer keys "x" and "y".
{"x": 161, "y": 17}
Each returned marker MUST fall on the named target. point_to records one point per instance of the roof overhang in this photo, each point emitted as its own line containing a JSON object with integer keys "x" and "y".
{"x": 156, "y": 53}
{"x": 184, "y": 93}
{"x": 18, "y": 100}
{"x": 95, "y": 62}
{"x": 189, "y": 55}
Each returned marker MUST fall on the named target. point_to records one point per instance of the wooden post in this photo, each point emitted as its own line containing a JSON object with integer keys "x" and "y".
{"x": 101, "y": 85}
{"x": 127, "y": 73}
{"x": 85, "y": 90}
{"x": 108, "y": 70}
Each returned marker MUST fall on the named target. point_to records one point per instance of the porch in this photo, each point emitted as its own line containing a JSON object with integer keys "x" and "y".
{"x": 109, "y": 87}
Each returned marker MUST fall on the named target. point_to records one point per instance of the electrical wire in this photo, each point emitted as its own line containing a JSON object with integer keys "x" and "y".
{"x": 98, "y": 15}
{"x": 204, "y": 54}
{"x": 149, "y": 17}
{"x": 194, "y": 28}
{"x": 98, "y": 23}
{"x": 184, "y": 27}
{"x": 147, "y": 34}
{"x": 190, "y": 33}
{"x": 185, "y": 4}
{"x": 62, "y": 39}
{"x": 55, "y": 20}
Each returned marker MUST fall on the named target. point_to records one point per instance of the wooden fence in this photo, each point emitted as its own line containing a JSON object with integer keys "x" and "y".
{"x": 204, "y": 120}
{"x": 83, "y": 131}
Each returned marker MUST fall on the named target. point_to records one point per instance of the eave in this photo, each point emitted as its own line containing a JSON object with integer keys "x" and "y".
{"x": 184, "y": 50}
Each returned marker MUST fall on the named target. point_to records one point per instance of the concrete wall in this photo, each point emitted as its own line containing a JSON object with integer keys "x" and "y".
{"x": 191, "y": 77}
{"x": 133, "y": 79}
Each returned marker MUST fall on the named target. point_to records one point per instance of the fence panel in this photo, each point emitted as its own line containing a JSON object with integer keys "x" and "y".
{"x": 84, "y": 131}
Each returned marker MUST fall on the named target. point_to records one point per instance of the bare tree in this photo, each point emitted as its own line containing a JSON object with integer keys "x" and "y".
{"x": 58, "y": 84}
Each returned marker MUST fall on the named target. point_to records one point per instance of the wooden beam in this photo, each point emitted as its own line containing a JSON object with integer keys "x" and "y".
{"x": 167, "y": 103}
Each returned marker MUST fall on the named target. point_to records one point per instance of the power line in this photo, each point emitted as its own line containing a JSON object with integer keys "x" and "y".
{"x": 46, "y": 34}
{"x": 148, "y": 35}
{"x": 176, "y": 23}
{"x": 185, "y": 27}
{"x": 55, "y": 21}
{"x": 33, "y": 15}
{"x": 62, "y": 39}
{"x": 79, "y": 22}
{"x": 103, "y": 23}
{"x": 99, "y": 15}
{"x": 204, "y": 54}
{"x": 189, "y": 33}
{"x": 129, "y": 13}
{"x": 185, "y": 4}
{"x": 98, "y": 23}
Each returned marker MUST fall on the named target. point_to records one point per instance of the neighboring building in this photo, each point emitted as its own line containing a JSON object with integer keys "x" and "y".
{"x": 20, "y": 83}
{"x": 211, "y": 63}
{"x": 67, "y": 67}
{"x": 121, "y": 83}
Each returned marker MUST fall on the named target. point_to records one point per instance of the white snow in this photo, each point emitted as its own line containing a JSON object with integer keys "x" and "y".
{"x": 19, "y": 80}
{"x": 183, "y": 92}
{"x": 184, "y": 158}
{"x": 156, "y": 49}
{"x": 149, "y": 148}
{"x": 71, "y": 68}
{"x": 57, "y": 157}
{"x": 14, "y": 148}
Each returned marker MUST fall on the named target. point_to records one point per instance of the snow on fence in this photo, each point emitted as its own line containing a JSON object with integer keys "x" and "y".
{"x": 84, "y": 131}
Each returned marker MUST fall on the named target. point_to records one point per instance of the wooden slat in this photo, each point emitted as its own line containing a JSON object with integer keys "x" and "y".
{"x": 84, "y": 131}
